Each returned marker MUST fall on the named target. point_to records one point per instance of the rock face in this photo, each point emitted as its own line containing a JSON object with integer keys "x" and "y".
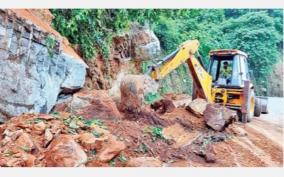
{"x": 217, "y": 116}
{"x": 32, "y": 74}
{"x": 126, "y": 53}
{"x": 145, "y": 44}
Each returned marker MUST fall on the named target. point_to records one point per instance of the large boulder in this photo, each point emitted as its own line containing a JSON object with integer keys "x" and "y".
{"x": 217, "y": 116}
{"x": 132, "y": 90}
{"x": 91, "y": 104}
{"x": 32, "y": 73}
{"x": 65, "y": 152}
{"x": 197, "y": 107}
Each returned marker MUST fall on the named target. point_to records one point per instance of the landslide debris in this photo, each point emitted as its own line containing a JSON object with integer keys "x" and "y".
{"x": 176, "y": 138}
{"x": 60, "y": 139}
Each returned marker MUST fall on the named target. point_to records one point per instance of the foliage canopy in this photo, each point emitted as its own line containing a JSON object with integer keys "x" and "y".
{"x": 258, "y": 32}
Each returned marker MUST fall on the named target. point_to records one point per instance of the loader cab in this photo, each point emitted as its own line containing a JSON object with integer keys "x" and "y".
{"x": 228, "y": 68}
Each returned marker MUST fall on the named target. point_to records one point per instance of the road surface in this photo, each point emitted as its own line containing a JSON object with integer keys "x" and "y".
{"x": 276, "y": 111}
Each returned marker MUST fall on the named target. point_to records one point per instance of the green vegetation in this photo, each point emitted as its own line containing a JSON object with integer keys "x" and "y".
{"x": 34, "y": 121}
{"x": 97, "y": 134}
{"x": 258, "y": 32}
{"x": 122, "y": 159}
{"x": 50, "y": 43}
{"x": 156, "y": 132}
{"x": 142, "y": 148}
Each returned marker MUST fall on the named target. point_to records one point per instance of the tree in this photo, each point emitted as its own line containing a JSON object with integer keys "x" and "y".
{"x": 255, "y": 34}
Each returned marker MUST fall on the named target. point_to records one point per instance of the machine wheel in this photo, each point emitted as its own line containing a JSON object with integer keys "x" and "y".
{"x": 257, "y": 108}
{"x": 247, "y": 117}
{"x": 251, "y": 108}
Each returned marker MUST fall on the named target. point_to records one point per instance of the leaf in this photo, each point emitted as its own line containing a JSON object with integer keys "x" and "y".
{"x": 97, "y": 134}
{"x": 122, "y": 158}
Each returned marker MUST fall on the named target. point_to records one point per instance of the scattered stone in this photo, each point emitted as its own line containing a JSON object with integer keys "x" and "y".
{"x": 210, "y": 154}
{"x": 90, "y": 142}
{"x": 25, "y": 143}
{"x": 144, "y": 162}
{"x": 39, "y": 128}
{"x": 236, "y": 130}
{"x": 48, "y": 136}
{"x": 65, "y": 152}
{"x": 111, "y": 149}
{"x": 197, "y": 107}
{"x": 28, "y": 159}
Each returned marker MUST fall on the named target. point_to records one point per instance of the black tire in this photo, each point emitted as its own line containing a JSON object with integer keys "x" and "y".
{"x": 257, "y": 108}
{"x": 244, "y": 118}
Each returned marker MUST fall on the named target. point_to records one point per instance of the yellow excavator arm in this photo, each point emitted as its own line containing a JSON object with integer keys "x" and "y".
{"x": 185, "y": 53}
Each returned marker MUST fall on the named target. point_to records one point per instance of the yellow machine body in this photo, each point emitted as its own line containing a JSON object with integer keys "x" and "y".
{"x": 242, "y": 98}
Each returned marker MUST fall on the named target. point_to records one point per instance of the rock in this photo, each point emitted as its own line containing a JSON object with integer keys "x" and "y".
{"x": 210, "y": 154}
{"x": 177, "y": 133}
{"x": 144, "y": 162}
{"x": 39, "y": 128}
{"x": 48, "y": 136}
{"x": 94, "y": 104}
{"x": 144, "y": 43}
{"x": 236, "y": 130}
{"x": 111, "y": 149}
{"x": 25, "y": 143}
{"x": 90, "y": 142}
{"x": 65, "y": 152}
{"x": 163, "y": 106}
{"x": 206, "y": 151}
{"x": 182, "y": 103}
{"x": 197, "y": 106}
{"x": 29, "y": 160}
{"x": 132, "y": 92}
{"x": 217, "y": 116}
{"x": 13, "y": 134}
{"x": 31, "y": 78}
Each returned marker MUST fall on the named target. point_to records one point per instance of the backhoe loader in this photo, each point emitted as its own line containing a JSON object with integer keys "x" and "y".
{"x": 231, "y": 88}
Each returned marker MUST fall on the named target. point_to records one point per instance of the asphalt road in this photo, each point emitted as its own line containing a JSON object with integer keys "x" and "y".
{"x": 275, "y": 109}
